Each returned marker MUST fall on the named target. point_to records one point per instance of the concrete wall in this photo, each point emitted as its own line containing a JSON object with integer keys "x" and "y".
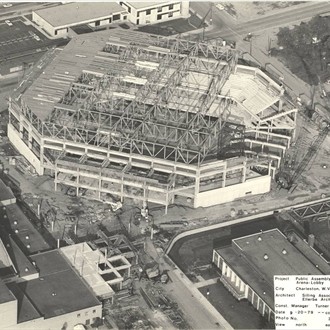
{"x": 43, "y": 24}
{"x": 8, "y": 314}
{"x": 8, "y": 202}
{"x": 255, "y": 186}
{"x": 65, "y": 321}
{"x": 15, "y": 139}
{"x": 179, "y": 9}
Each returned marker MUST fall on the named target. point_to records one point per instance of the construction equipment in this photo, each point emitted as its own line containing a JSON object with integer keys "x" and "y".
{"x": 152, "y": 271}
{"x": 288, "y": 181}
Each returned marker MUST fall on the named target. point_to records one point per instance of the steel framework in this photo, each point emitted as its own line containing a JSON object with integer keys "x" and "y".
{"x": 164, "y": 118}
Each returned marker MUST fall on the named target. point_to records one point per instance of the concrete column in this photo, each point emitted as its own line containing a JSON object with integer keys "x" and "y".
{"x": 55, "y": 179}
{"x": 197, "y": 186}
{"x": 280, "y": 105}
{"x": 77, "y": 183}
{"x": 224, "y": 174}
{"x": 122, "y": 189}
{"x": 20, "y": 128}
{"x": 244, "y": 171}
{"x": 100, "y": 185}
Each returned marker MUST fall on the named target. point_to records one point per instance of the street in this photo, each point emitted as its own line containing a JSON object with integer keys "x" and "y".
{"x": 228, "y": 28}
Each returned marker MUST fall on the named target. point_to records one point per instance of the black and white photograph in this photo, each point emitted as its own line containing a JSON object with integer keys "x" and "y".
{"x": 164, "y": 165}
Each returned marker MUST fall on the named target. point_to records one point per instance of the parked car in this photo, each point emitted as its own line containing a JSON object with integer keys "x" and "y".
{"x": 8, "y": 22}
{"x": 7, "y": 5}
{"x": 37, "y": 38}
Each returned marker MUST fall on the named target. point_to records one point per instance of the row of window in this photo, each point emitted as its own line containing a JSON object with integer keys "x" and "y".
{"x": 169, "y": 14}
{"x": 86, "y": 313}
{"x": 159, "y": 10}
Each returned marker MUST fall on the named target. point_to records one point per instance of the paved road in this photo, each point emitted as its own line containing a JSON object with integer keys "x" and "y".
{"x": 231, "y": 29}
{"x": 226, "y": 27}
{"x": 193, "y": 304}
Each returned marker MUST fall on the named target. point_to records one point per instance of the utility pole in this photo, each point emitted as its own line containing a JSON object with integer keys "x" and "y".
{"x": 251, "y": 46}
{"x": 269, "y": 46}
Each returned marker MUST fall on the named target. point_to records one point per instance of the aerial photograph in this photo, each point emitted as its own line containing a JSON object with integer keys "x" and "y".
{"x": 164, "y": 165}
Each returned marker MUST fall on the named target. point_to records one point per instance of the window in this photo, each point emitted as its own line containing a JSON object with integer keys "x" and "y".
{"x": 170, "y": 14}
{"x": 97, "y": 23}
{"x": 78, "y": 315}
{"x": 124, "y": 18}
{"x": 159, "y": 17}
{"x": 94, "y": 311}
{"x": 148, "y": 12}
{"x": 138, "y": 14}
{"x": 159, "y": 9}
{"x": 170, "y": 7}
{"x": 116, "y": 17}
{"x": 129, "y": 9}
{"x": 56, "y": 32}
{"x": 88, "y": 321}
{"x": 137, "y": 22}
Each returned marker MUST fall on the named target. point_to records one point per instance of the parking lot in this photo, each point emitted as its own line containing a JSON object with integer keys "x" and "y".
{"x": 19, "y": 38}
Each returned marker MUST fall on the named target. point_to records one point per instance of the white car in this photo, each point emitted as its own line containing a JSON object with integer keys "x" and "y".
{"x": 37, "y": 38}
{"x": 7, "y": 5}
{"x": 8, "y": 22}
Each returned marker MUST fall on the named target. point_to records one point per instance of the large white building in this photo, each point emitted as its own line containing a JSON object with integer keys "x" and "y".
{"x": 249, "y": 264}
{"x": 121, "y": 114}
{"x": 141, "y": 13}
{"x": 57, "y": 20}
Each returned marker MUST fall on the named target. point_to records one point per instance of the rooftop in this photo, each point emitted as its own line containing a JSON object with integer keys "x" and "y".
{"x": 5, "y": 294}
{"x": 141, "y": 5}
{"x": 27, "y": 234}
{"x": 59, "y": 290}
{"x": 25, "y": 309}
{"x": 5, "y": 192}
{"x": 76, "y": 12}
{"x": 259, "y": 257}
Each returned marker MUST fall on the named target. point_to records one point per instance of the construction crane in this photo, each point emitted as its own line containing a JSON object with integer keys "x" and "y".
{"x": 290, "y": 181}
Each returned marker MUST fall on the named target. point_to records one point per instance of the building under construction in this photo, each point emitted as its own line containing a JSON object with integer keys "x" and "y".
{"x": 120, "y": 114}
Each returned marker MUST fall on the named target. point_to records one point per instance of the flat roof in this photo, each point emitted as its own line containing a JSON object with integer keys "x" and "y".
{"x": 246, "y": 256}
{"x": 25, "y": 309}
{"x": 25, "y": 229}
{"x": 5, "y": 192}
{"x": 58, "y": 290}
{"x": 142, "y": 5}
{"x": 5, "y": 294}
{"x": 77, "y": 12}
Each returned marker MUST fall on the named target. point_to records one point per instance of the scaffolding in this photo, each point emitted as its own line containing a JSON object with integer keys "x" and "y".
{"x": 147, "y": 115}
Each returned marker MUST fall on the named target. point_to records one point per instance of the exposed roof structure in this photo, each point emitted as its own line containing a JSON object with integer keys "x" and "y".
{"x": 259, "y": 257}
{"x": 154, "y": 117}
{"x": 76, "y": 12}
{"x": 158, "y": 96}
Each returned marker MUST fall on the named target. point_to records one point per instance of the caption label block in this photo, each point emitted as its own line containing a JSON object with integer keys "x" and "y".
{"x": 302, "y": 302}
